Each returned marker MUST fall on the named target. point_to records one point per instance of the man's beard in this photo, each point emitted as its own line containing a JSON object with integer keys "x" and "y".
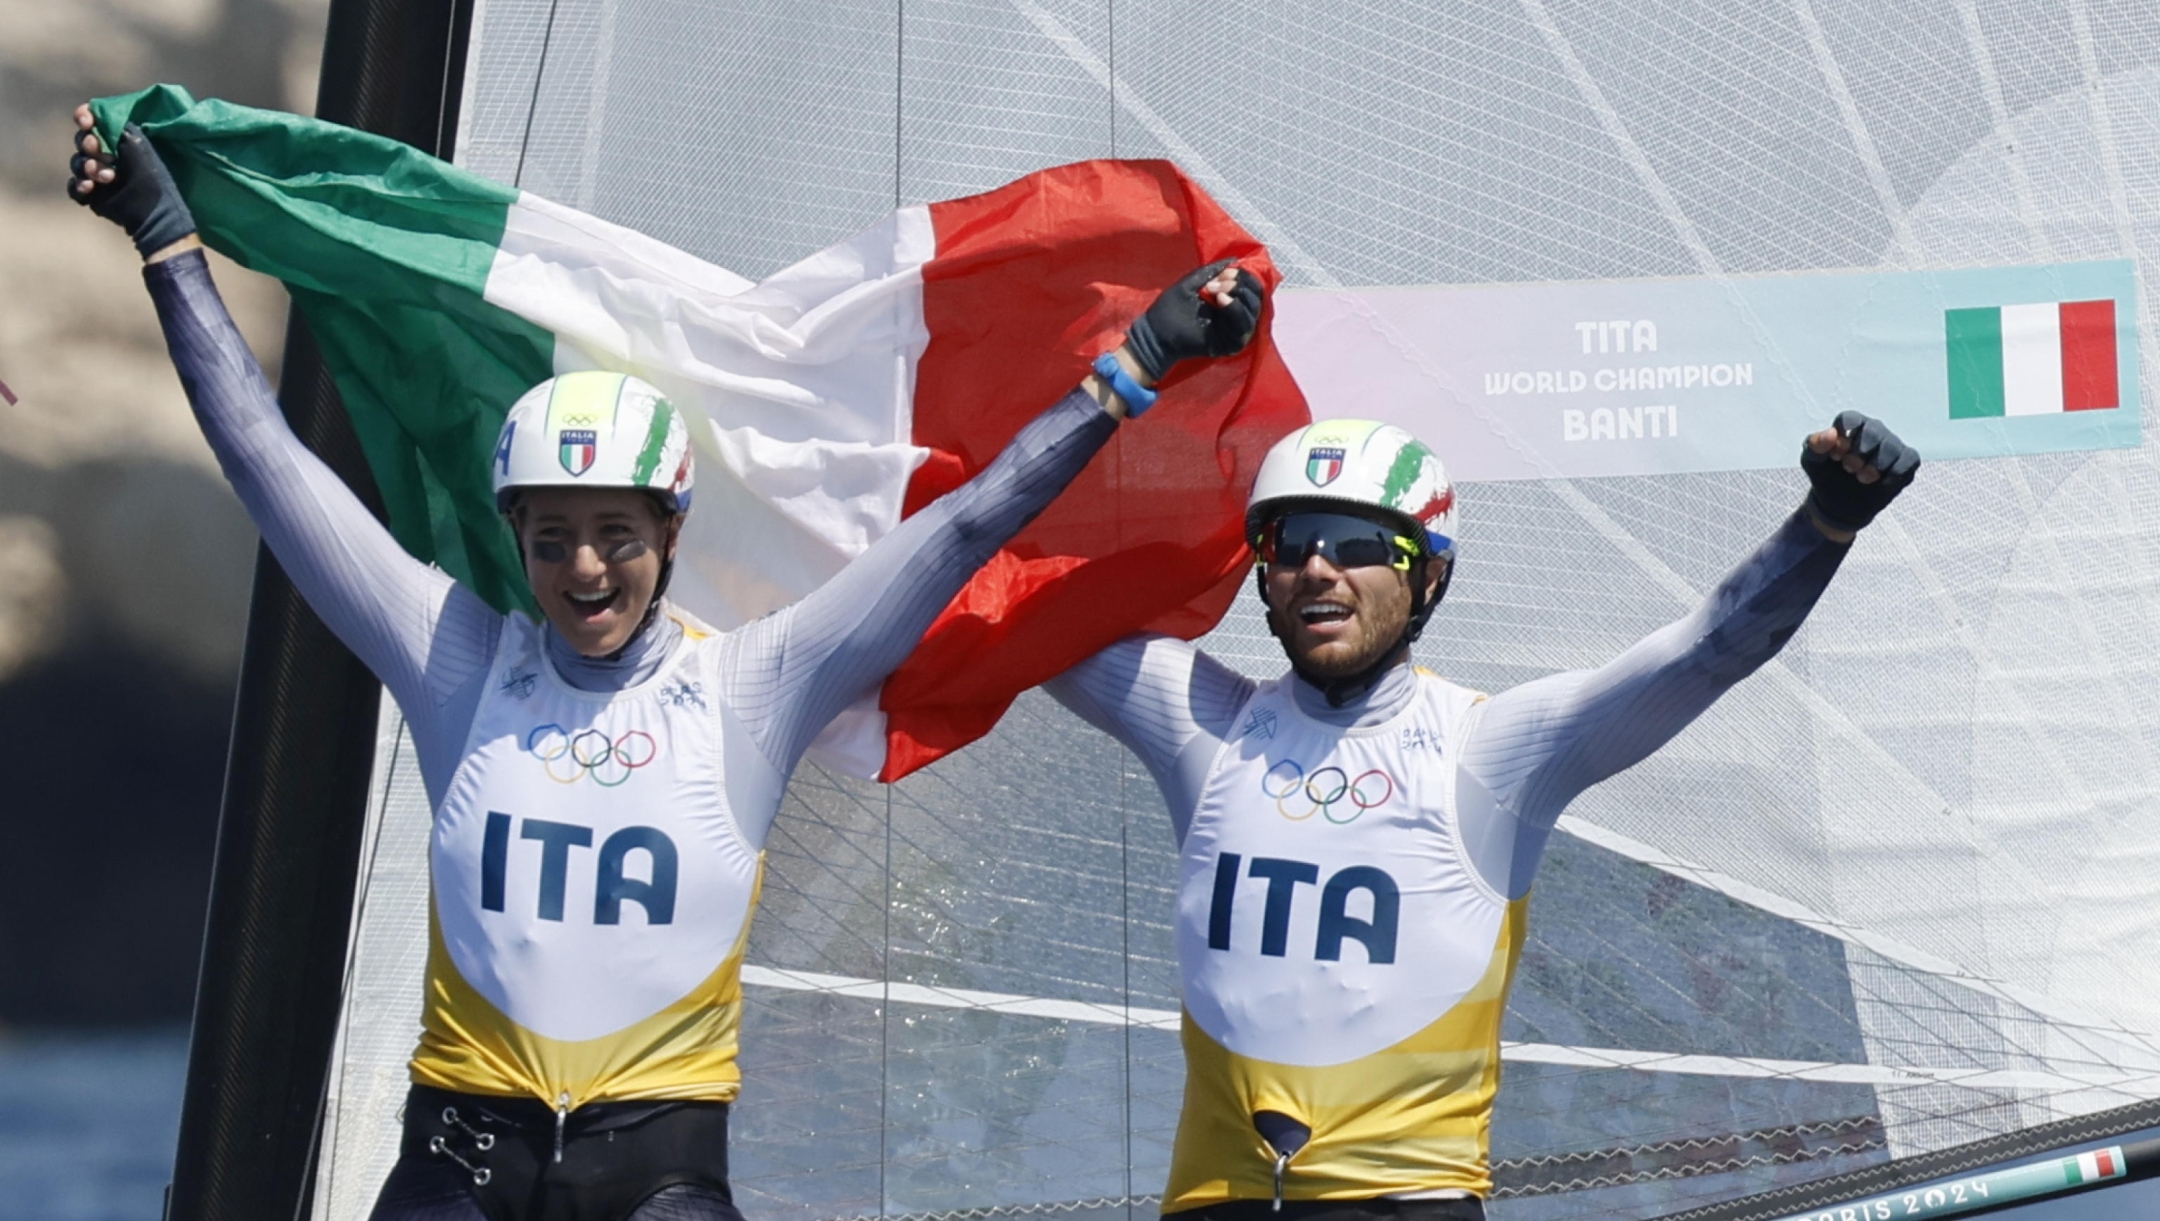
{"x": 1375, "y": 646}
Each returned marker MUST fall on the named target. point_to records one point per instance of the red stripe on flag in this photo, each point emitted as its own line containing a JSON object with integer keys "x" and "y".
{"x": 2088, "y": 355}
{"x": 2105, "y": 1163}
{"x": 1031, "y": 282}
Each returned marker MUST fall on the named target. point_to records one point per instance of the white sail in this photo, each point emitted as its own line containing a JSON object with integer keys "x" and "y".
{"x": 1895, "y": 893}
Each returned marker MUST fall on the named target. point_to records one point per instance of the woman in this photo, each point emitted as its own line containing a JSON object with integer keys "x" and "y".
{"x": 603, "y": 778}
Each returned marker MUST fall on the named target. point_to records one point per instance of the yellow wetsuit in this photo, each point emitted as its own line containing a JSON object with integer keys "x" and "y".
{"x": 1343, "y": 962}
{"x": 592, "y": 891}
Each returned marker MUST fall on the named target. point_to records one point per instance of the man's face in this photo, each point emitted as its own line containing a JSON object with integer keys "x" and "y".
{"x": 593, "y": 557}
{"x": 1334, "y": 617}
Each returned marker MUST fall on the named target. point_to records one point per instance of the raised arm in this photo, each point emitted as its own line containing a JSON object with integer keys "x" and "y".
{"x": 793, "y": 671}
{"x": 1537, "y": 746}
{"x": 1167, "y": 702}
{"x": 415, "y": 629}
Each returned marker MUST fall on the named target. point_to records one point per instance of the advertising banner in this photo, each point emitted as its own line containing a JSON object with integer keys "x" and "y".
{"x": 1641, "y": 377}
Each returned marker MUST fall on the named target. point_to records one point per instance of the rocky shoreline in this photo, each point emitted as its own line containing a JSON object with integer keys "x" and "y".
{"x": 125, "y": 561}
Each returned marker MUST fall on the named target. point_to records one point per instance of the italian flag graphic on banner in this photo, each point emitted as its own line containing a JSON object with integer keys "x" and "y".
{"x": 2031, "y": 359}
{"x": 827, "y": 402}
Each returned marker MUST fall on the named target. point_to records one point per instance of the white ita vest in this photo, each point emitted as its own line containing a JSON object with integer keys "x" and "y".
{"x": 592, "y": 893}
{"x": 1343, "y": 963}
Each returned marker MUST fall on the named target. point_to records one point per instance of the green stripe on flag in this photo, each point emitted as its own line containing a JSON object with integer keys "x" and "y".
{"x": 1974, "y": 340}
{"x": 386, "y": 251}
{"x": 648, "y": 458}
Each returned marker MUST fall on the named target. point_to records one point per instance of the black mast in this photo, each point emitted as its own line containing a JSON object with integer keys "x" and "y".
{"x": 303, "y": 738}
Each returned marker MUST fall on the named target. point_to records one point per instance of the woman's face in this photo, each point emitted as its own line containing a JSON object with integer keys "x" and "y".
{"x": 593, "y": 559}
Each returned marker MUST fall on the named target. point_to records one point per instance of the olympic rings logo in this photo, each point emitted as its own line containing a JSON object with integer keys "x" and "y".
{"x": 570, "y": 757}
{"x": 1324, "y": 790}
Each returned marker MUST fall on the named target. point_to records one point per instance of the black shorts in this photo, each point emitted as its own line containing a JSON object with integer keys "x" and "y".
{"x": 478, "y": 1155}
{"x": 1466, "y": 1209}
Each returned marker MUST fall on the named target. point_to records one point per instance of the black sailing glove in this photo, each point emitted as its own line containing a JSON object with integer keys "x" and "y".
{"x": 1181, "y": 324}
{"x": 141, "y": 198}
{"x": 1838, "y": 495}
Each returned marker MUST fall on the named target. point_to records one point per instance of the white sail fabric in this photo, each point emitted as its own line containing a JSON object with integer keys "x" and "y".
{"x": 1893, "y": 894}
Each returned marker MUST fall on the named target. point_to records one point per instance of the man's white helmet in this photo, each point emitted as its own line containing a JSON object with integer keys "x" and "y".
{"x": 1360, "y": 463}
{"x": 594, "y": 430}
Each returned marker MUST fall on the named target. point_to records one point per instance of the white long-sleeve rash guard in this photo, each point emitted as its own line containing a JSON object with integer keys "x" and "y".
{"x": 430, "y": 640}
{"x": 1535, "y": 747}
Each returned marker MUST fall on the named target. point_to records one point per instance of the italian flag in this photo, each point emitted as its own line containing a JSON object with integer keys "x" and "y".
{"x": 2093, "y": 1167}
{"x": 2031, "y": 359}
{"x": 827, "y": 402}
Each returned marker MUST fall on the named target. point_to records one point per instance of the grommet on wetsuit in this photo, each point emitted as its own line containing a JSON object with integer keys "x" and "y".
{"x": 526, "y": 1159}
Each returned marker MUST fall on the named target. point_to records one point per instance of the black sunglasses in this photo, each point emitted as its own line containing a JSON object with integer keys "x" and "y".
{"x": 1344, "y": 540}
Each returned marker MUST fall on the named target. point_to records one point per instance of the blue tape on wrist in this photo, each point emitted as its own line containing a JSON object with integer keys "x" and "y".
{"x": 1138, "y": 398}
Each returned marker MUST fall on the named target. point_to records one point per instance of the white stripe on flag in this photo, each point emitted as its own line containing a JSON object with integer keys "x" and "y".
{"x": 2032, "y": 359}
{"x": 798, "y": 391}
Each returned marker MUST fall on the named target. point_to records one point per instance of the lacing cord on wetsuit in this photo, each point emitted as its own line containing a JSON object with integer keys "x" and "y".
{"x": 601, "y": 1159}
{"x": 482, "y": 1142}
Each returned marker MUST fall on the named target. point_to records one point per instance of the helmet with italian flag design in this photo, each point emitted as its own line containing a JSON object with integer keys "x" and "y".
{"x": 1362, "y": 465}
{"x": 594, "y": 430}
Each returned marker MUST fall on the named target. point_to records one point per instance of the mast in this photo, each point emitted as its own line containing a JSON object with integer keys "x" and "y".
{"x": 303, "y": 737}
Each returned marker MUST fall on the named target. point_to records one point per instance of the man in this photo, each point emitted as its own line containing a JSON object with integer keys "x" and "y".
{"x": 1358, "y": 837}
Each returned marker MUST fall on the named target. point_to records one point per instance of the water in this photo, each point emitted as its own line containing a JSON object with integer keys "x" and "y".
{"x": 87, "y": 1124}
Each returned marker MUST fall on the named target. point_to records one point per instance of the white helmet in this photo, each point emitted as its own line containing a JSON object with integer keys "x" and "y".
{"x": 594, "y": 430}
{"x": 1362, "y": 463}
{"x": 1369, "y": 466}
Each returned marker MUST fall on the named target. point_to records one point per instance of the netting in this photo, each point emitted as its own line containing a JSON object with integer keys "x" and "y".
{"x": 1888, "y": 896}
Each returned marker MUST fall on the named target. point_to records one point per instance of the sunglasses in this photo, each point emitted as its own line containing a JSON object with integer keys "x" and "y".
{"x": 1339, "y": 538}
